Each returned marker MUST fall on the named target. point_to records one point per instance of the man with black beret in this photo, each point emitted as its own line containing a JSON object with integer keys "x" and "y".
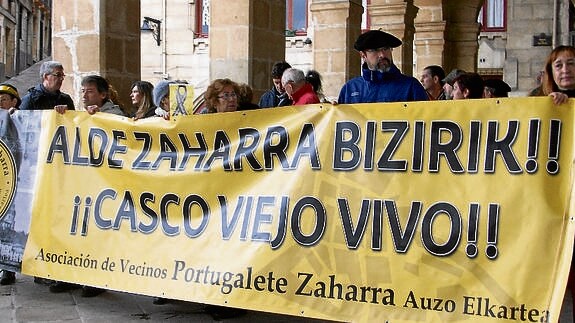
{"x": 495, "y": 88}
{"x": 381, "y": 80}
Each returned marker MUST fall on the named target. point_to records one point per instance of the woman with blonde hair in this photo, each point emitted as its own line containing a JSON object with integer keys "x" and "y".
{"x": 222, "y": 96}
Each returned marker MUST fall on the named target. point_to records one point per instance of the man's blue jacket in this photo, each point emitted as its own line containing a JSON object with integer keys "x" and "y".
{"x": 376, "y": 86}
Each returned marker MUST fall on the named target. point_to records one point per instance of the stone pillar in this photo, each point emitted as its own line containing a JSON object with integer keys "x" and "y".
{"x": 461, "y": 32}
{"x": 336, "y": 26}
{"x": 397, "y": 18}
{"x": 429, "y": 35}
{"x": 97, "y": 37}
{"x": 461, "y": 46}
{"x": 246, "y": 38}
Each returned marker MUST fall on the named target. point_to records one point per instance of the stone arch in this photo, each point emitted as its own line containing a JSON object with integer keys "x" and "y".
{"x": 461, "y": 32}
{"x": 446, "y": 34}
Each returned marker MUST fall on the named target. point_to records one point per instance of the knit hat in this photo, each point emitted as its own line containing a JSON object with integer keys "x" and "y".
{"x": 375, "y": 39}
{"x": 161, "y": 90}
{"x": 10, "y": 89}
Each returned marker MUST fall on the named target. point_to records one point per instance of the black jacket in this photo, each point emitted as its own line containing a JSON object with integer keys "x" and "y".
{"x": 38, "y": 98}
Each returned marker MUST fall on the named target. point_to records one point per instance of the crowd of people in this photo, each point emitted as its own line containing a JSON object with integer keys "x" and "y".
{"x": 380, "y": 81}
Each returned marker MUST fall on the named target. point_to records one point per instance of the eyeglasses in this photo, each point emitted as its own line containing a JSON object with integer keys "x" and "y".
{"x": 228, "y": 96}
{"x": 59, "y": 75}
{"x": 377, "y": 50}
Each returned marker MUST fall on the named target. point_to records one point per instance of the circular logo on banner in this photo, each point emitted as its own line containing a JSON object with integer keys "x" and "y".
{"x": 8, "y": 178}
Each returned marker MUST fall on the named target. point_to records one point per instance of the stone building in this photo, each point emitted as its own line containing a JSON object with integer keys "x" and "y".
{"x": 498, "y": 38}
{"x": 25, "y": 29}
{"x": 245, "y": 37}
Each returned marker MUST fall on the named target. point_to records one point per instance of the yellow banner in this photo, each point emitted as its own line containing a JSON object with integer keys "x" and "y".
{"x": 425, "y": 211}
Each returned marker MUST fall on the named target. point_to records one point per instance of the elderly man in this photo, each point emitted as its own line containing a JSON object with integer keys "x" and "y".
{"x": 298, "y": 88}
{"x": 381, "y": 80}
{"x": 47, "y": 95}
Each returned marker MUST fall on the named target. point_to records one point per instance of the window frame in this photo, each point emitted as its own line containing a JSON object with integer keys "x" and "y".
{"x": 289, "y": 18}
{"x": 484, "y": 17}
{"x": 199, "y": 14}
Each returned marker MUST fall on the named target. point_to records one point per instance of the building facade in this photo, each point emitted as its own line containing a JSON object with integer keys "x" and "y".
{"x": 25, "y": 33}
{"x": 245, "y": 37}
{"x": 507, "y": 39}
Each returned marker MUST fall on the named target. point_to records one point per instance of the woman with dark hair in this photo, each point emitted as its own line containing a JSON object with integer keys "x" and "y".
{"x": 467, "y": 86}
{"x": 558, "y": 80}
{"x": 142, "y": 99}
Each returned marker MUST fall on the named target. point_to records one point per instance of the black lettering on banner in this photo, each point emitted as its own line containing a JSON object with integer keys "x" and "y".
{"x": 200, "y": 151}
{"x": 319, "y": 224}
{"x": 502, "y": 147}
{"x": 353, "y": 236}
{"x": 59, "y": 144}
{"x": 402, "y": 240}
{"x": 371, "y": 128}
{"x": 149, "y": 212}
{"x": 385, "y": 162}
{"x": 168, "y": 199}
{"x": 190, "y": 201}
{"x": 418, "y": 150}
{"x": 377, "y": 226}
{"x": 474, "y": 144}
{"x": 97, "y": 158}
{"x": 447, "y": 149}
{"x": 168, "y": 151}
{"x": 307, "y": 146}
{"x": 347, "y": 136}
{"x": 222, "y": 146}
{"x": 76, "y": 158}
{"x": 454, "y": 233}
{"x": 139, "y": 162}
{"x": 115, "y": 147}
{"x": 101, "y": 222}
{"x": 127, "y": 211}
{"x": 262, "y": 217}
{"x": 282, "y": 224}
{"x": 275, "y": 144}
{"x": 249, "y": 140}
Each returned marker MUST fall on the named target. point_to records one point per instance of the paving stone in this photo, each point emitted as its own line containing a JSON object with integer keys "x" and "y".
{"x": 27, "y": 302}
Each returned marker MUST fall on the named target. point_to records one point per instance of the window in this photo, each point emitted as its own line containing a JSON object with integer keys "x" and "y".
{"x": 202, "y": 18}
{"x": 296, "y": 16}
{"x": 365, "y": 23}
{"x": 493, "y": 16}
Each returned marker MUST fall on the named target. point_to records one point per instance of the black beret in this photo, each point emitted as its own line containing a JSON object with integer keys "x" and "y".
{"x": 501, "y": 88}
{"x": 375, "y": 39}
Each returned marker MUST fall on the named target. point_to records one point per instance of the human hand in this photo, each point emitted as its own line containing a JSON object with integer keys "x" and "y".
{"x": 558, "y": 97}
{"x": 91, "y": 109}
{"x": 61, "y": 109}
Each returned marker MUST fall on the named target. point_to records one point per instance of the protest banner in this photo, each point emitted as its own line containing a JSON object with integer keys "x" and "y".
{"x": 400, "y": 212}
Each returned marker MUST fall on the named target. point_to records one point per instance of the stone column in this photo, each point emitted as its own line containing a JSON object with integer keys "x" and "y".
{"x": 246, "y": 38}
{"x": 336, "y": 26}
{"x": 97, "y": 37}
{"x": 397, "y": 18}
{"x": 429, "y": 35}
{"x": 461, "y": 46}
{"x": 461, "y": 34}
